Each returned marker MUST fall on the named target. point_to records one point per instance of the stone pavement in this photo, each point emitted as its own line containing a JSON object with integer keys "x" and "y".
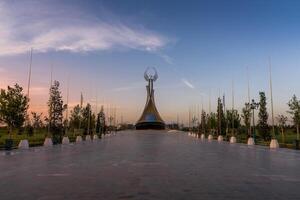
{"x": 150, "y": 165}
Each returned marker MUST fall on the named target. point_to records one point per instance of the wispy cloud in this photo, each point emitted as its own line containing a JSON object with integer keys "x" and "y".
{"x": 50, "y": 30}
{"x": 187, "y": 83}
{"x": 133, "y": 86}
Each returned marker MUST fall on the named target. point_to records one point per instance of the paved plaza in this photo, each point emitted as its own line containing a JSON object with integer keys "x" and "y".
{"x": 150, "y": 165}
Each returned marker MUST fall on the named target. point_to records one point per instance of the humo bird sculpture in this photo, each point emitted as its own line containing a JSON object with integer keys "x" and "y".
{"x": 150, "y": 118}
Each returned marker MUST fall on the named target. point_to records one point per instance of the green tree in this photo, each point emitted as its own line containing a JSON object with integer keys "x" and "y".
{"x": 282, "y": 123}
{"x": 246, "y": 115}
{"x": 203, "y": 121}
{"x": 37, "y": 122}
{"x": 294, "y": 105}
{"x": 233, "y": 115}
{"x": 212, "y": 121}
{"x": 263, "y": 116}
{"x": 55, "y": 110}
{"x": 102, "y": 121}
{"x": 221, "y": 121}
{"x": 13, "y": 107}
{"x": 88, "y": 119}
{"x": 75, "y": 117}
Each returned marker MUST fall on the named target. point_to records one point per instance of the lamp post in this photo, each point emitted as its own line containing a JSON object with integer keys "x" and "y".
{"x": 253, "y": 106}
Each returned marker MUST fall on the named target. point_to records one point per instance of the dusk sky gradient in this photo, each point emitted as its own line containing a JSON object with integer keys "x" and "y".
{"x": 198, "y": 47}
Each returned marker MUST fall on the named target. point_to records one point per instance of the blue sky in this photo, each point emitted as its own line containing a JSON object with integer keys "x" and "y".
{"x": 197, "y": 47}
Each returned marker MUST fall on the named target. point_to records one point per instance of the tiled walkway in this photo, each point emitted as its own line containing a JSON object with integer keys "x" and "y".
{"x": 150, "y": 165}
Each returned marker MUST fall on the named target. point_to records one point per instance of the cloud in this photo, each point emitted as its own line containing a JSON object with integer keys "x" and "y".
{"x": 43, "y": 28}
{"x": 187, "y": 83}
{"x": 133, "y": 86}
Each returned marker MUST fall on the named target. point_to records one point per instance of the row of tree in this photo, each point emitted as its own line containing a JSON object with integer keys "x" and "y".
{"x": 228, "y": 122}
{"x": 14, "y": 113}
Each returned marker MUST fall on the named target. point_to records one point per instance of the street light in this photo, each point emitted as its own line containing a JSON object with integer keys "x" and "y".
{"x": 253, "y": 106}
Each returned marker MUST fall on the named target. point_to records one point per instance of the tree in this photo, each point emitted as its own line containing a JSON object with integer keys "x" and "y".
{"x": 75, "y": 117}
{"x": 282, "y": 123}
{"x": 88, "y": 119}
{"x": 203, "y": 121}
{"x": 13, "y": 107}
{"x": 233, "y": 115}
{"x": 263, "y": 116}
{"x": 246, "y": 115}
{"x": 55, "y": 110}
{"x": 221, "y": 121}
{"x": 37, "y": 122}
{"x": 212, "y": 121}
{"x": 294, "y": 105}
{"x": 102, "y": 121}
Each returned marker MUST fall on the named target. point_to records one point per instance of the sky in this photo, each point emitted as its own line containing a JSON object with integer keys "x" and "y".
{"x": 199, "y": 48}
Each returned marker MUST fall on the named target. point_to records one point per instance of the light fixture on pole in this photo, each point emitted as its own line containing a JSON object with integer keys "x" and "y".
{"x": 252, "y": 106}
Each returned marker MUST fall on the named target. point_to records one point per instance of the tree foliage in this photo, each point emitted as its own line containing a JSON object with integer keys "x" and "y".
{"x": 13, "y": 106}
{"x": 221, "y": 121}
{"x": 263, "y": 116}
{"x": 75, "y": 117}
{"x": 294, "y": 105}
{"x": 246, "y": 115}
{"x": 55, "y": 110}
{"x": 101, "y": 126}
{"x": 37, "y": 122}
{"x": 88, "y": 119}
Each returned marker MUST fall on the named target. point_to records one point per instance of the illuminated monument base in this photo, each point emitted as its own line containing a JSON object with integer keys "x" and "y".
{"x": 150, "y": 125}
{"x": 150, "y": 118}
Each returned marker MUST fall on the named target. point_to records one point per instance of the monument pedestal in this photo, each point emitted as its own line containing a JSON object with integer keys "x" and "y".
{"x": 24, "y": 144}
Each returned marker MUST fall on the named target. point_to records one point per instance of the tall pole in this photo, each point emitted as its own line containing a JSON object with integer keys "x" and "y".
{"x": 232, "y": 107}
{"x": 29, "y": 74}
{"x": 50, "y": 112}
{"x": 248, "y": 86}
{"x": 209, "y": 110}
{"x": 271, "y": 91}
{"x": 67, "y": 111}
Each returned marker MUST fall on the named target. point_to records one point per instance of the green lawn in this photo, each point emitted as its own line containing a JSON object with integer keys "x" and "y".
{"x": 37, "y": 139}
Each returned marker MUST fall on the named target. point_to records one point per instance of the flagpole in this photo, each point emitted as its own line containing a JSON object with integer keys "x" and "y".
{"x": 248, "y": 87}
{"x": 232, "y": 107}
{"x": 29, "y": 74}
{"x": 271, "y": 92}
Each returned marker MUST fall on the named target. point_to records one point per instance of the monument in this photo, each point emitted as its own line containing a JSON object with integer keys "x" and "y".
{"x": 150, "y": 118}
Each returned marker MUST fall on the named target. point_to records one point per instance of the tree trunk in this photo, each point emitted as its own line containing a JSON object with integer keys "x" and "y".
{"x": 282, "y": 135}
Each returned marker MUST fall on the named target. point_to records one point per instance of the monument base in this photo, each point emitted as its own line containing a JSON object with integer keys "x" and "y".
{"x": 150, "y": 125}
